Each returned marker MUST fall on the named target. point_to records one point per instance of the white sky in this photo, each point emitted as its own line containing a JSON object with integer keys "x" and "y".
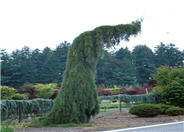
{"x": 41, "y": 23}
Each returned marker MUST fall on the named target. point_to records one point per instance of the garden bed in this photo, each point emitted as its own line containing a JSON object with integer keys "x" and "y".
{"x": 111, "y": 119}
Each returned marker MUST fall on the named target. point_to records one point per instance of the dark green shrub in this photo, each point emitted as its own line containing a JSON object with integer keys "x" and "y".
{"x": 145, "y": 110}
{"x": 18, "y": 96}
{"x": 7, "y": 92}
{"x": 174, "y": 94}
{"x": 174, "y": 111}
{"x": 170, "y": 85}
{"x": 163, "y": 108}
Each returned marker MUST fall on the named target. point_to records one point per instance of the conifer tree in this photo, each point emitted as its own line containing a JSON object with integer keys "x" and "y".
{"x": 77, "y": 99}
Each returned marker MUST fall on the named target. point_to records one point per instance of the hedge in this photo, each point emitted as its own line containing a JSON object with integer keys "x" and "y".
{"x": 133, "y": 99}
{"x": 18, "y": 109}
{"x": 37, "y": 107}
{"x": 145, "y": 110}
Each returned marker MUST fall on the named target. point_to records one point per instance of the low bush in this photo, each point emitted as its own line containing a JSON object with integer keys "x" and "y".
{"x": 145, "y": 110}
{"x": 100, "y": 91}
{"x": 7, "y": 92}
{"x": 163, "y": 108}
{"x": 30, "y": 90}
{"x": 18, "y": 96}
{"x": 44, "y": 91}
{"x": 174, "y": 111}
{"x": 114, "y": 91}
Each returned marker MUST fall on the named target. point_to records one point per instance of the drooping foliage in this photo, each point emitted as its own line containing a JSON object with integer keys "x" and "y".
{"x": 77, "y": 99}
{"x": 17, "y": 109}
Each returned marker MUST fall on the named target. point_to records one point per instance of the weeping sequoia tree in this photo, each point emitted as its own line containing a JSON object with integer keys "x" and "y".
{"x": 77, "y": 100}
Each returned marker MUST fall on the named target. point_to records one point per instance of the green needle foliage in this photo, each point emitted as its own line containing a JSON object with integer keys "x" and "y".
{"x": 77, "y": 100}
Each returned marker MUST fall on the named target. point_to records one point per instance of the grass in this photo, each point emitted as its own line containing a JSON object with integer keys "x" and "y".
{"x": 109, "y": 106}
{"x": 6, "y": 129}
{"x": 113, "y": 105}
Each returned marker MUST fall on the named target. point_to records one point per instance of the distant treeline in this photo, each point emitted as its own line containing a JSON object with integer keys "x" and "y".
{"x": 122, "y": 67}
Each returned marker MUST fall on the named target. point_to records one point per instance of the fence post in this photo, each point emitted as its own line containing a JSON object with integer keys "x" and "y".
{"x": 119, "y": 103}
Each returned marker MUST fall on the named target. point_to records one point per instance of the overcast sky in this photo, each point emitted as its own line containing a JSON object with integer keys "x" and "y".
{"x": 41, "y": 23}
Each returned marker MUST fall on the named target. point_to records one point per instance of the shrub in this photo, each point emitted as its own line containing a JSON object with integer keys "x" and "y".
{"x": 158, "y": 89}
{"x": 32, "y": 96}
{"x": 163, "y": 108}
{"x": 44, "y": 90}
{"x": 174, "y": 94}
{"x": 139, "y": 90}
{"x": 100, "y": 91}
{"x": 106, "y": 92}
{"x": 152, "y": 83}
{"x": 131, "y": 92}
{"x": 114, "y": 91}
{"x": 18, "y": 96}
{"x": 54, "y": 94}
{"x": 7, "y": 92}
{"x": 145, "y": 110}
{"x": 123, "y": 90}
{"x": 30, "y": 90}
{"x": 170, "y": 84}
{"x": 174, "y": 111}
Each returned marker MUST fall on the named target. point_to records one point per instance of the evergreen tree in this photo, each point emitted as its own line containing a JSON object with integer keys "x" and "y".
{"x": 144, "y": 64}
{"x": 59, "y": 61}
{"x": 168, "y": 55}
{"x": 17, "y": 76}
{"x": 105, "y": 70}
{"x": 126, "y": 69}
{"x": 77, "y": 99}
{"x": 5, "y": 68}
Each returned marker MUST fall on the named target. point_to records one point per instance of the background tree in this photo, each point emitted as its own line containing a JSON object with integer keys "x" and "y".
{"x": 105, "y": 70}
{"x": 168, "y": 55}
{"x": 144, "y": 64}
{"x": 116, "y": 69}
{"x": 6, "y": 68}
{"x": 33, "y": 66}
{"x": 77, "y": 99}
{"x": 59, "y": 61}
{"x": 126, "y": 72}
